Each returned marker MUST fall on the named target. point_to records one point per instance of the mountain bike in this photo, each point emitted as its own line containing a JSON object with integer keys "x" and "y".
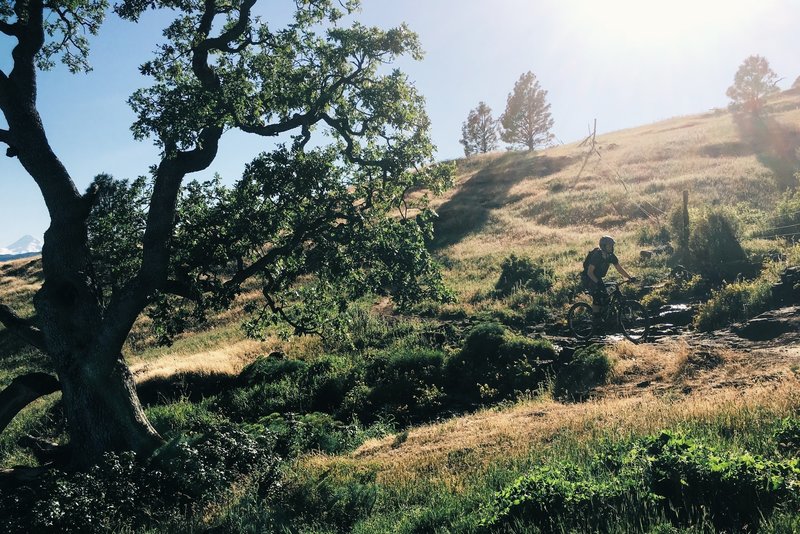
{"x": 630, "y": 315}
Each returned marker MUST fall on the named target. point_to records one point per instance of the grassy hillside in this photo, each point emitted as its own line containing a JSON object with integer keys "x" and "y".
{"x": 543, "y": 202}
{"x": 444, "y": 420}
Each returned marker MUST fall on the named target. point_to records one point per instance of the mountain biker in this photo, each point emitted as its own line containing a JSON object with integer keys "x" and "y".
{"x": 595, "y": 267}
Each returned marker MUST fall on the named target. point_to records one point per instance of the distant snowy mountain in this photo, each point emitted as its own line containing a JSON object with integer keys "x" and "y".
{"x": 25, "y": 245}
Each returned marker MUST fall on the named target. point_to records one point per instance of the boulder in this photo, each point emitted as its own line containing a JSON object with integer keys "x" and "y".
{"x": 770, "y": 325}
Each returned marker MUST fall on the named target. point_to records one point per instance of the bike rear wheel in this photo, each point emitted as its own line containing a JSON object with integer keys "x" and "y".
{"x": 581, "y": 320}
{"x": 634, "y": 321}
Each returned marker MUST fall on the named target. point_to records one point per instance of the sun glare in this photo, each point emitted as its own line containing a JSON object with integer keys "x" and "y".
{"x": 675, "y": 26}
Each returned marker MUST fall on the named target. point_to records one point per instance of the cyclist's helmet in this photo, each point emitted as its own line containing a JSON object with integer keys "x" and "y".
{"x": 607, "y": 240}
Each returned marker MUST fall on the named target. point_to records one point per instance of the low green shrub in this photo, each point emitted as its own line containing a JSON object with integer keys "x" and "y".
{"x": 785, "y": 222}
{"x": 563, "y": 497}
{"x": 714, "y": 249}
{"x": 523, "y": 273}
{"x": 183, "y": 417}
{"x": 124, "y": 492}
{"x": 734, "y": 302}
{"x": 333, "y": 501}
{"x": 676, "y": 289}
{"x": 359, "y": 329}
{"x": 494, "y": 364}
{"x": 278, "y": 385}
{"x": 735, "y": 490}
{"x": 652, "y": 234}
{"x": 298, "y": 434}
{"x": 589, "y": 366}
{"x": 405, "y": 384}
{"x": 787, "y": 436}
{"x": 671, "y": 476}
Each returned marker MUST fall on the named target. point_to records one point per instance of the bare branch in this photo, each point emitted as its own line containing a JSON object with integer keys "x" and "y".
{"x": 21, "y": 328}
{"x": 180, "y": 289}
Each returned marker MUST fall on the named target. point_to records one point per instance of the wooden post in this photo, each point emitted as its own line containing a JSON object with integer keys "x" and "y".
{"x": 685, "y": 229}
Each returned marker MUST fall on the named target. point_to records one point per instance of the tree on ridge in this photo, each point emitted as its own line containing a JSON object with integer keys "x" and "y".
{"x": 753, "y": 83}
{"x": 479, "y": 131}
{"x": 527, "y": 121}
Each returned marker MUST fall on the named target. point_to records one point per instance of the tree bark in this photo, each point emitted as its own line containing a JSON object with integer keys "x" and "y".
{"x": 103, "y": 411}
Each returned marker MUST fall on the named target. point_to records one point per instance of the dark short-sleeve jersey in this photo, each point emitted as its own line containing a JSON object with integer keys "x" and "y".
{"x": 600, "y": 263}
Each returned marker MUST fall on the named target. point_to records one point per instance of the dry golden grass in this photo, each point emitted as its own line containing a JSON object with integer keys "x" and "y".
{"x": 227, "y": 360}
{"x": 543, "y": 204}
{"x": 490, "y": 436}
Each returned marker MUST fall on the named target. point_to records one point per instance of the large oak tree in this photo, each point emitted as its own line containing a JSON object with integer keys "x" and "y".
{"x": 336, "y": 217}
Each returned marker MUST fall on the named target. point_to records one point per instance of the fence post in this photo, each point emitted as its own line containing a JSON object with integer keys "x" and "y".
{"x": 683, "y": 239}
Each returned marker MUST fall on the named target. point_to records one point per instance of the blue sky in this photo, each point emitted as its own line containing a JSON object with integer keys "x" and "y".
{"x": 623, "y": 62}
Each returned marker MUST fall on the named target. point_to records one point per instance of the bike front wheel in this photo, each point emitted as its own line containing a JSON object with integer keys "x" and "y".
{"x": 581, "y": 320}
{"x": 633, "y": 320}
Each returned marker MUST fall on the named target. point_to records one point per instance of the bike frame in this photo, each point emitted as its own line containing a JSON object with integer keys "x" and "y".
{"x": 615, "y": 297}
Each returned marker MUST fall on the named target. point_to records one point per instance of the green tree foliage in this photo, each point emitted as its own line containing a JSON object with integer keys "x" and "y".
{"x": 479, "y": 131}
{"x": 326, "y": 216}
{"x": 527, "y": 121}
{"x": 754, "y": 81}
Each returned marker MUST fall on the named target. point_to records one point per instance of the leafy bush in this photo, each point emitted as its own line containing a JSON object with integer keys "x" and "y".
{"x": 676, "y": 289}
{"x": 588, "y": 367}
{"x": 560, "y": 498}
{"x": 786, "y": 219}
{"x": 359, "y": 329}
{"x": 734, "y": 302}
{"x": 670, "y": 475}
{"x": 735, "y": 489}
{"x": 522, "y": 308}
{"x": 125, "y": 492}
{"x": 299, "y": 434}
{"x": 332, "y": 501}
{"x": 271, "y": 385}
{"x": 714, "y": 247}
{"x": 495, "y": 363}
{"x": 787, "y": 436}
{"x": 405, "y": 384}
{"x": 522, "y": 272}
{"x": 182, "y": 417}
{"x": 650, "y": 234}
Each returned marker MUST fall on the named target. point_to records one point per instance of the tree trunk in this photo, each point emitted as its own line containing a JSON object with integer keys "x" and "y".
{"x": 103, "y": 411}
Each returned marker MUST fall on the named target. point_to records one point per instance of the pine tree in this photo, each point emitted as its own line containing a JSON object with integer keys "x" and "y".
{"x": 479, "y": 131}
{"x": 527, "y": 121}
{"x": 754, "y": 81}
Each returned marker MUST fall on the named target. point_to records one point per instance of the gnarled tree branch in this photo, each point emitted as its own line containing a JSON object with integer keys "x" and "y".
{"x": 22, "y": 391}
{"x": 21, "y": 328}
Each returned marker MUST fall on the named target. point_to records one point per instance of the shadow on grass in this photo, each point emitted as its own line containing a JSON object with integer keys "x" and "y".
{"x": 774, "y": 144}
{"x": 185, "y": 385}
{"x": 468, "y": 210}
